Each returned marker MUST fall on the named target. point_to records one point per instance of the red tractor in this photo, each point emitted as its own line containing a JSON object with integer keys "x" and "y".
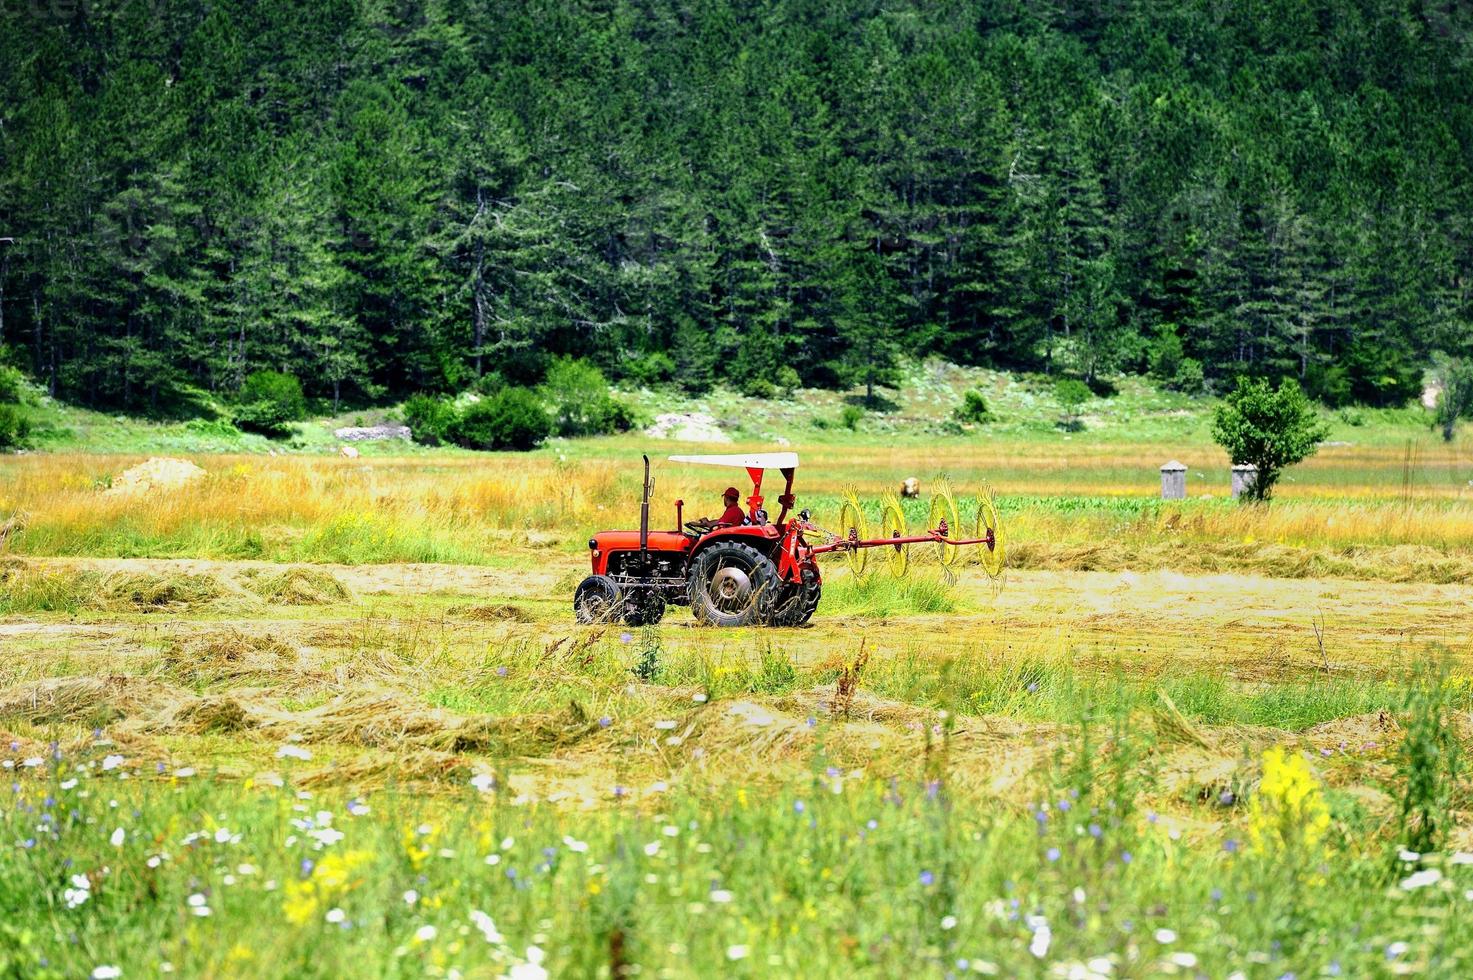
{"x": 758, "y": 572}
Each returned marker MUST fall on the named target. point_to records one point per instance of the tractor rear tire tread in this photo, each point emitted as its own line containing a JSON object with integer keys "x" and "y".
{"x": 763, "y": 576}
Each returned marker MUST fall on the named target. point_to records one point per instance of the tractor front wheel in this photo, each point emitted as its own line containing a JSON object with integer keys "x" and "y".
{"x": 733, "y": 584}
{"x": 598, "y": 599}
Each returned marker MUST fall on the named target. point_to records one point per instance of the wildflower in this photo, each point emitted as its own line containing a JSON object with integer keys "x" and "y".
{"x": 1053, "y": 854}
{"x": 483, "y": 782}
{"x": 1421, "y": 879}
{"x": 532, "y": 969}
{"x": 357, "y": 808}
{"x": 335, "y": 915}
{"x": 1165, "y": 936}
{"x": 665, "y": 724}
{"x": 625, "y": 637}
{"x": 1289, "y": 811}
{"x": 721, "y": 896}
{"x": 487, "y": 927}
{"x": 80, "y": 891}
{"x": 949, "y": 922}
{"x": 576, "y": 846}
{"x": 605, "y": 721}
{"x": 928, "y": 879}
{"x": 117, "y": 837}
{"x": 1043, "y": 936}
{"x": 652, "y": 848}
{"x": 736, "y": 952}
{"x": 426, "y": 934}
{"x": 1185, "y": 960}
{"x": 106, "y": 973}
{"x": 293, "y": 752}
{"x": 411, "y": 897}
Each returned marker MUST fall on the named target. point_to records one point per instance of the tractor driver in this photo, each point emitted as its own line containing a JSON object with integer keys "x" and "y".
{"x": 732, "y": 515}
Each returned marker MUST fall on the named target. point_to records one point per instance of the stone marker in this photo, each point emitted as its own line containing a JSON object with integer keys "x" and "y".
{"x": 1244, "y": 476}
{"x": 1173, "y": 481}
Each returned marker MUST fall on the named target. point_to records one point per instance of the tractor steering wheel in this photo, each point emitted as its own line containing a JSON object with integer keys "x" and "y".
{"x": 696, "y": 527}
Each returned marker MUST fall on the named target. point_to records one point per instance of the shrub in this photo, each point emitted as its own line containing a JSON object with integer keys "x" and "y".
{"x": 973, "y": 408}
{"x": 580, "y": 401}
{"x": 513, "y": 418}
{"x": 269, "y": 402}
{"x": 15, "y": 428}
{"x": 851, "y": 416}
{"x": 429, "y": 418}
{"x": 650, "y": 369}
{"x": 1270, "y": 428}
{"x": 12, "y": 385}
{"x": 1455, "y": 399}
{"x": 1072, "y": 394}
{"x": 787, "y": 379}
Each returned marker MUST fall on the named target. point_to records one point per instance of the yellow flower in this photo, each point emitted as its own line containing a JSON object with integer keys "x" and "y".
{"x": 330, "y": 878}
{"x": 1288, "y": 813}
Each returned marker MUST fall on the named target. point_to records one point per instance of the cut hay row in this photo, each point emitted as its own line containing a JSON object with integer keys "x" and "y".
{"x": 39, "y": 586}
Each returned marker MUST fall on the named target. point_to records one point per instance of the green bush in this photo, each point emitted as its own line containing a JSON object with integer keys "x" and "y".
{"x": 973, "y": 408}
{"x": 12, "y": 385}
{"x": 269, "y": 402}
{"x": 429, "y": 418}
{"x": 650, "y": 369}
{"x": 787, "y": 379}
{"x": 579, "y": 398}
{"x": 851, "y": 416}
{"x": 512, "y": 418}
{"x": 15, "y": 428}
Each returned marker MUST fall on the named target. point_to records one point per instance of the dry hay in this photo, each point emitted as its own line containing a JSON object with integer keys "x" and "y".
{"x": 425, "y": 765}
{"x": 228, "y": 655}
{"x": 297, "y": 586}
{"x": 159, "y": 473}
{"x": 92, "y": 701}
{"x": 492, "y": 614}
{"x": 144, "y": 592}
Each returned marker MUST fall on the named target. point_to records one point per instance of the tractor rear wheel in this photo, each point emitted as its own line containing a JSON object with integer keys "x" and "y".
{"x": 799, "y": 602}
{"x": 733, "y": 584}
{"x": 598, "y": 599}
{"x": 643, "y": 607}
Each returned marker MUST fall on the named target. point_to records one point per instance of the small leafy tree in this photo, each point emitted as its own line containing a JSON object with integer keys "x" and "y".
{"x": 269, "y": 402}
{"x": 1455, "y": 400}
{"x": 1270, "y": 428}
{"x": 1072, "y": 394}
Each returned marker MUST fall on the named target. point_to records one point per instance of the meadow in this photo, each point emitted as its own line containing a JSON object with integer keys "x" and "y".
{"x": 316, "y": 716}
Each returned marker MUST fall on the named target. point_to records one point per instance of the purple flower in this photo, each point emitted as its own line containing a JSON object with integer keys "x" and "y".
{"x": 872, "y": 824}
{"x": 799, "y": 806}
{"x": 307, "y": 867}
{"x": 1065, "y": 806}
{"x": 1226, "y": 797}
{"x": 1230, "y": 845}
{"x": 928, "y": 879}
{"x": 1094, "y": 831}
{"x": 1216, "y": 894}
{"x": 605, "y": 721}
{"x": 625, "y": 637}
{"x": 1126, "y": 857}
{"x": 501, "y": 671}
{"x": 1053, "y": 854}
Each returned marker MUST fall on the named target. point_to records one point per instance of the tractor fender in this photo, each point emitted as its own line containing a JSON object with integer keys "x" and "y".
{"x": 763, "y": 538}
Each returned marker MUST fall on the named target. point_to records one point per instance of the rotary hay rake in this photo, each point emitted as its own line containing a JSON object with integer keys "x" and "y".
{"x": 765, "y": 572}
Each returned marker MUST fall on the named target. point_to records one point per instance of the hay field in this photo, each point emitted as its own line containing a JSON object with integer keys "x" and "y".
{"x": 317, "y": 717}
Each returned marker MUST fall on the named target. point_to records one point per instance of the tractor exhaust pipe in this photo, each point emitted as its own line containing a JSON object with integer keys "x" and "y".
{"x": 644, "y": 518}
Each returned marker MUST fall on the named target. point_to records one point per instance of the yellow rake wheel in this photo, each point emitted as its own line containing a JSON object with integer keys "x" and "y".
{"x": 943, "y": 508}
{"x": 993, "y": 558}
{"x": 851, "y": 519}
{"x": 892, "y": 525}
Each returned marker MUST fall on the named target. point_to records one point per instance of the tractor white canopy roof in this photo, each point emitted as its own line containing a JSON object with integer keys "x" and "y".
{"x": 752, "y": 461}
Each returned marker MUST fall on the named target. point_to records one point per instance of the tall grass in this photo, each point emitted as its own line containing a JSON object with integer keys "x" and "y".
{"x": 476, "y": 509}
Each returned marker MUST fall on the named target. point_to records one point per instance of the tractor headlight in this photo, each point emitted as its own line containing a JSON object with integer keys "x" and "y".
{"x": 804, "y": 515}
{"x": 592, "y": 544}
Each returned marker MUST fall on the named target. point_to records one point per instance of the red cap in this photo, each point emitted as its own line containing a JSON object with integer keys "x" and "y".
{"x": 732, "y": 492}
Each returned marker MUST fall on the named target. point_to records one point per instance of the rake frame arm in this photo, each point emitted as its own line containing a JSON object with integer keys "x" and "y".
{"x": 938, "y": 536}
